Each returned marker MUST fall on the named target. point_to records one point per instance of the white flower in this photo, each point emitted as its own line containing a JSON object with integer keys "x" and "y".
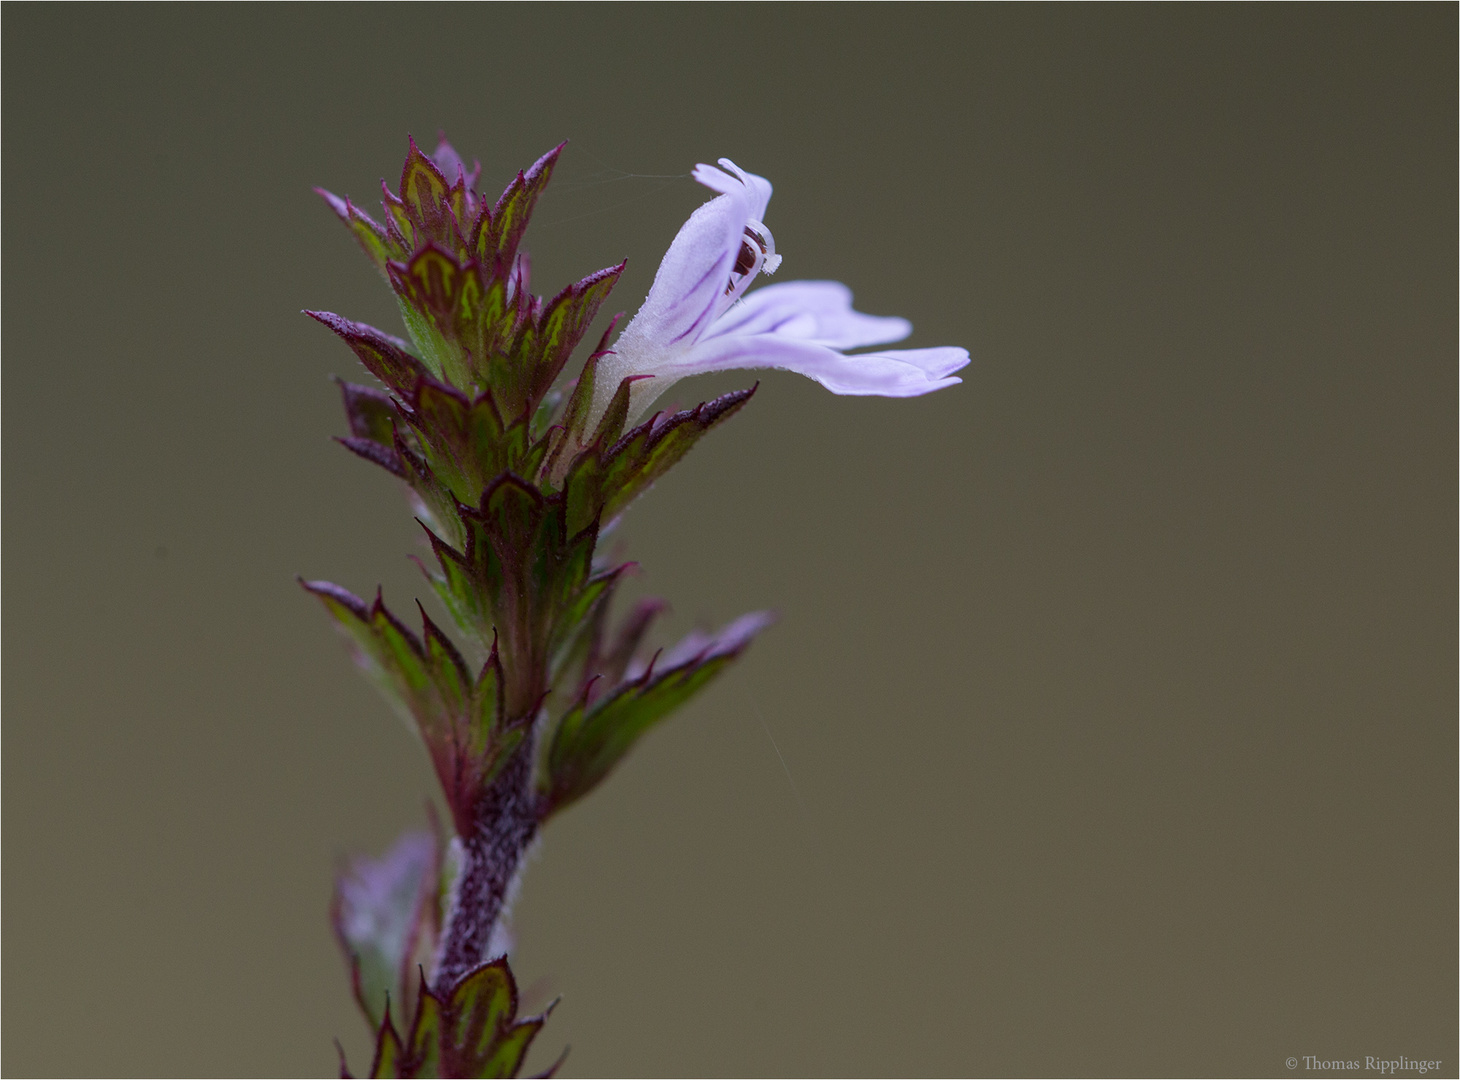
{"x": 694, "y": 319}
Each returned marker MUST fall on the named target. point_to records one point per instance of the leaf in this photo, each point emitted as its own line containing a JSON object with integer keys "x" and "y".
{"x": 481, "y": 1035}
{"x": 427, "y": 680}
{"x": 427, "y": 1038}
{"x": 482, "y": 1004}
{"x": 384, "y": 357}
{"x": 372, "y": 451}
{"x": 604, "y": 481}
{"x": 390, "y": 1054}
{"x": 590, "y": 740}
{"x": 464, "y": 585}
{"x": 510, "y": 1050}
{"x": 651, "y": 449}
{"x": 499, "y": 233}
{"x": 615, "y": 660}
{"x": 425, "y": 193}
{"x": 373, "y": 239}
{"x": 371, "y": 412}
{"x": 387, "y": 651}
{"x": 429, "y": 288}
{"x": 546, "y": 346}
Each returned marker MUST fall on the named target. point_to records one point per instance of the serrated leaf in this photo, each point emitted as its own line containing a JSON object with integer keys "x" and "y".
{"x": 612, "y": 663}
{"x": 384, "y": 357}
{"x": 591, "y": 739}
{"x": 546, "y": 345}
{"x": 647, "y": 452}
{"x": 481, "y": 1005}
{"x": 371, "y": 412}
{"x": 426, "y": 1039}
{"x": 426, "y": 195}
{"x": 373, "y": 238}
{"x": 480, "y": 1035}
{"x": 390, "y": 1053}
{"x": 511, "y": 1049}
{"x": 463, "y": 584}
{"x": 604, "y": 482}
{"x": 499, "y": 234}
{"x": 427, "y": 680}
{"x": 452, "y": 167}
{"x": 429, "y": 288}
{"x": 373, "y": 452}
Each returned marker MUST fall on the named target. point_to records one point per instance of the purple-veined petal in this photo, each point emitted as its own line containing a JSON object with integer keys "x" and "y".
{"x": 689, "y": 288}
{"x": 819, "y": 311}
{"x": 692, "y": 275}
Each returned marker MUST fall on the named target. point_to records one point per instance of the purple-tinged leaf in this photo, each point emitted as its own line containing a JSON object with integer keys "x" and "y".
{"x": 466, "y": 583}
{"x": 384, "y": 356}
{"x": 615, "y": 659}
{"x": 426, "y": 1039}
{"x": 372, "y": 413}
{"x": 545, "y": 347}
{"x": 425, "y": 193}
{"x": 373, "y": 239}
{"x": 453, "y": 168}
{"x": 603, "y": 482}
{"x": 590, "y": 739}
{"x": 430, "y": 287}
{"x": 390, "y": 1053}
{"x": 470, "y": 1029}
{"x": 427, "y": 680}
{"x": 372, "y": 451}
{"x": 499, "y": 234}
{"x": 398, "y": 224}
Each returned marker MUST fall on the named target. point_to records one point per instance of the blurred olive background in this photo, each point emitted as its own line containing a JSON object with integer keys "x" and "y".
{"x": 1110, "y": 724}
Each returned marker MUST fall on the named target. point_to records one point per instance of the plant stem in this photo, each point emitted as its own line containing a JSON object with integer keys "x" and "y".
{"x": 506, "y": 821}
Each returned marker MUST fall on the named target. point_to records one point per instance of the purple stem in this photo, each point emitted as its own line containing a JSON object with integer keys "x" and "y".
{"x": 506, "y": 821}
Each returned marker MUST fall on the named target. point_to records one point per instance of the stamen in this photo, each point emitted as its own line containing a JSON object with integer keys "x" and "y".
{"x": 767, "y": 243}
{"x": 757, "y": 253}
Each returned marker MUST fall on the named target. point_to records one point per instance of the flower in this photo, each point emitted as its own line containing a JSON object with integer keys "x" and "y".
{"x": 697, "y": 317}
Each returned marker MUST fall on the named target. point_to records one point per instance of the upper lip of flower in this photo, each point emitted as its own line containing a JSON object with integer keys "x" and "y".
{"x": 698, "y": 318}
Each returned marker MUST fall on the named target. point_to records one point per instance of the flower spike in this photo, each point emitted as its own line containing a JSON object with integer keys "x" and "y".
{"x": 526, "y": 695}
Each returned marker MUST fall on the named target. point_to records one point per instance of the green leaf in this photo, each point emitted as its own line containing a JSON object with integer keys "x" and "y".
{"x": 390, "y": 1054}
{"x": 426, "y": 196}
{"x": 546, "y": 346}
{"x": 480, "y": 1035}
{"x": 427, "y": 1038}
{"x": 651, "y": 449}
{"x": 482, "y": 1004}
{"x": 464, "y": 585}
{"x": 499, "y": 233}
{"x": 427, "y": 680}
{"x": 511, "y": 1049}
{"x": 591, "y": 739}
{"x": 603, "y": 481}
{"x": 429, "y": 288}
{"x": 389, "y": 653}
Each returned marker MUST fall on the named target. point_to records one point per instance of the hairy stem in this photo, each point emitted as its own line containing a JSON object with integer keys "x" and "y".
{"x": 506, "y": 821}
